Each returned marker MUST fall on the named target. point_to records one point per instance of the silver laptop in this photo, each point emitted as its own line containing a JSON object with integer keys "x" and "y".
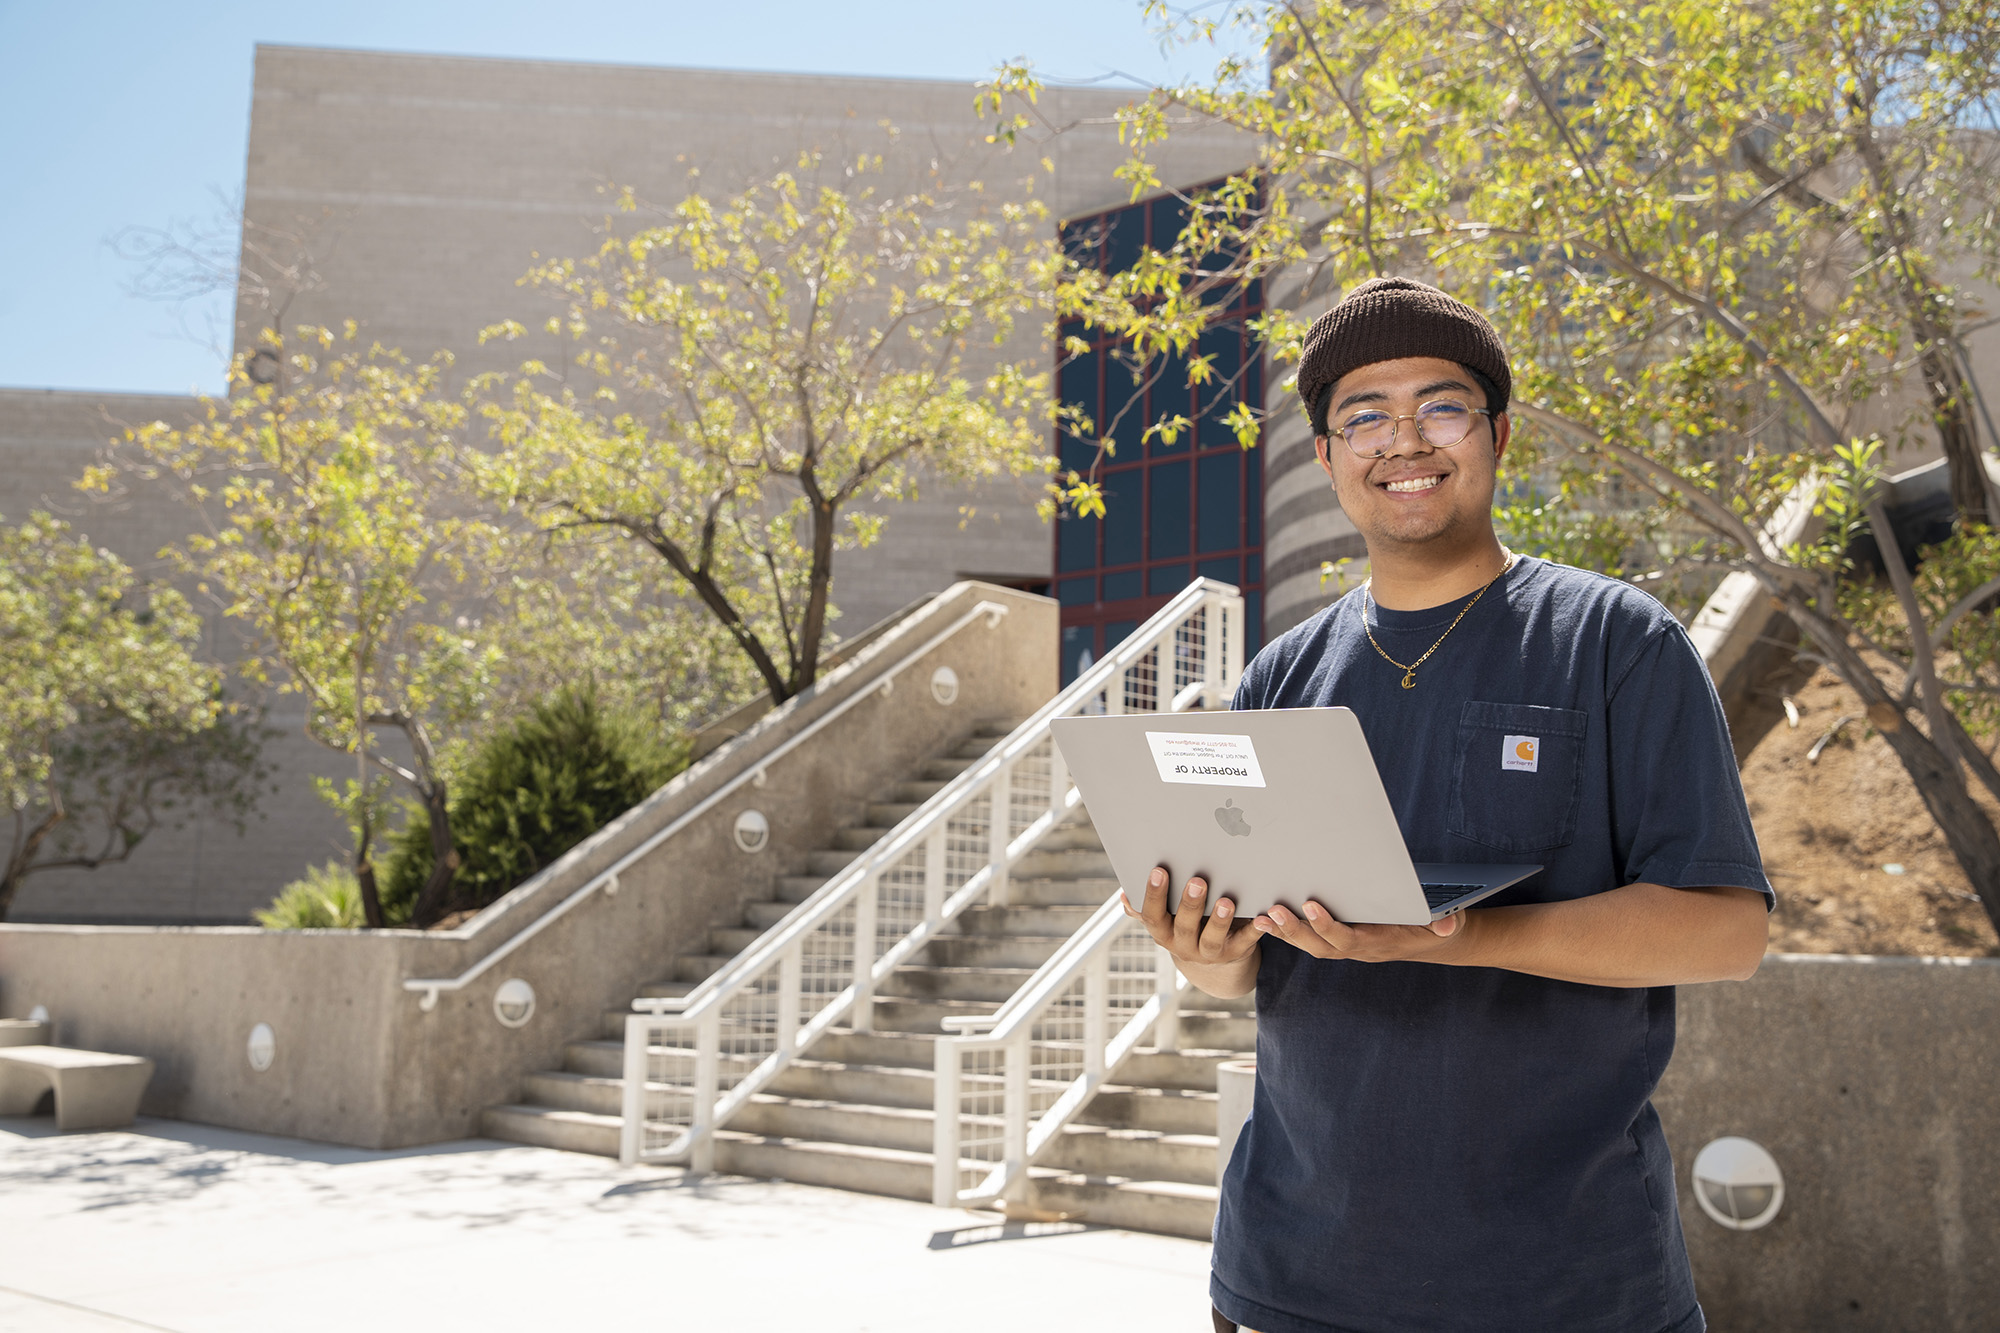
{"x": 1269, "y": 807}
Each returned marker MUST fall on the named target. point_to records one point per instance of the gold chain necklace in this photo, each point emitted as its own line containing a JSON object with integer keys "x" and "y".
{"x": 1410, "y": 669}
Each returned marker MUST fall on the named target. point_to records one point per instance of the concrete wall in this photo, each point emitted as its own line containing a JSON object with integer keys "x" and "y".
{"x": 427, "y": 184}
{"x": 1873, "y": 1083}
{"x": 360, "y": 1062}
{"x": 204, "y": 871}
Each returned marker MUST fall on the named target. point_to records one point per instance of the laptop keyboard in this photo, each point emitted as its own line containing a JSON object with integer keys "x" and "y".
{"x": 1437, "y": 895}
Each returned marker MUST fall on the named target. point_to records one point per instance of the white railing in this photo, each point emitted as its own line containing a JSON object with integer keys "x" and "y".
{"x": 607, "y": 879}
{"x": 1004, "y": 1095}
{"x": 691, "y": 1061}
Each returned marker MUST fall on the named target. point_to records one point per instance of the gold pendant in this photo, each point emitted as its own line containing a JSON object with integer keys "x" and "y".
{"x": 1410, "y": 679}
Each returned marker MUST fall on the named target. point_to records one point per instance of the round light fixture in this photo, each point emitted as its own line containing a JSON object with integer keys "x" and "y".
{"x": 1738, "y": 1183}
{"x": 944, "y": 685}
{"x": 262, "y": 1047}
{"x": 514, "y": 1003}
{"x": 262, "y": 367}
{"x": 753, "y": 831}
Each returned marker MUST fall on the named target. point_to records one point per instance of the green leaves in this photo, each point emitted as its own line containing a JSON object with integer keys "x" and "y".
{"x": 754, "y": 366}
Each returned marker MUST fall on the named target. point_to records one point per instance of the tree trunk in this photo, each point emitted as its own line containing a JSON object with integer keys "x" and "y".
{"x": 1951, "y": 409}
{"x": 444, "y": 860}
{"x": 1967, "y": 829}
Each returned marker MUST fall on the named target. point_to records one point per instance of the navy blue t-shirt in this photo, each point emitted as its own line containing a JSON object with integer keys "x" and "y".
{"x": 1459, "y": 1148}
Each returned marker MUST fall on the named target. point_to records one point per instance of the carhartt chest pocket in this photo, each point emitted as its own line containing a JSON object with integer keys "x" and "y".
{"x": 1520, "y": 767}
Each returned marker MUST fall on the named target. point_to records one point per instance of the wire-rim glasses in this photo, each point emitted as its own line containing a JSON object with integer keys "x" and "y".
{"x": 1440, "y": 423}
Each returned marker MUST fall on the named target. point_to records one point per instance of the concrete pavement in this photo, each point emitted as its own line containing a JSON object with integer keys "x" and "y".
{"x": 184, "y": 1228}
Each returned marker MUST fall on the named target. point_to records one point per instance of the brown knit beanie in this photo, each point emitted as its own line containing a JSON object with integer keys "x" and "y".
{"x": 1387, "y": 319}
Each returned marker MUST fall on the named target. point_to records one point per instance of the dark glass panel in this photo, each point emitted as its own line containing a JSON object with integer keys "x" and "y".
{"x": 1076, "y": 543}
{"x": 1167, "y": 510}
{"x": 1125, "y": 237}
{"x": 1076, "y": 592}
{"x": 1224, "y": 569}
{"x": 1079, "y": 387}
{"x": 1253, "y": 497}
{"x": 1077, "y": 642}
{"x": 1221, "y": 393}
{"x": 1166, "y": 580}
{"x": 1169, "y": 216}
{"x": 1170, "y": 398}
{"x": 1122, "y": 586}
{"x": 1124, "y": 518}
{"x": 1253, "y": 623}
{"x": 1253, "y": 567}
{"x": 1124, "y": 409}
{"x": 1117, "y": 631}
{"x": 1219, "y": 525}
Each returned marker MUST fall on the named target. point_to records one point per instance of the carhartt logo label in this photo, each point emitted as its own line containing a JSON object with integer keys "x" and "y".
{"x": 1520, "y": 753}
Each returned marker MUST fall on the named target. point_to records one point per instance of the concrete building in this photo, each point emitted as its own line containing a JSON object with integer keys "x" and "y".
{"x": 418, "y": 190}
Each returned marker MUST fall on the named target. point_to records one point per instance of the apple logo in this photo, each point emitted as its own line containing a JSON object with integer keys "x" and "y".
{"x": 1232, "y": 820}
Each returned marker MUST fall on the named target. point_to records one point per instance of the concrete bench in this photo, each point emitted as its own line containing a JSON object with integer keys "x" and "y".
{"x": 93, "y": 1090}
{"x": 23, "y": 1032}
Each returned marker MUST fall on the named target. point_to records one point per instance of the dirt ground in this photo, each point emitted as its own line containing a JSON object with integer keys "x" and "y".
{"x": 1858, "y": 864}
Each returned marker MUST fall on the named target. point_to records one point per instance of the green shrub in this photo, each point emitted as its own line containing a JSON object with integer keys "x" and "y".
{"x": 529, "y": 793}
{"x": 329, "y": 897}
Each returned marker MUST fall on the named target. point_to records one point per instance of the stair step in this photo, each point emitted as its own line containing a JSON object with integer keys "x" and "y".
{"x": 907, "y": 1128}
{"x": 1067, "y": 863}
{"x": 991, "y": 951}
{"x": 916, "y": 791}
{"x": 763, "y": 916}
{"x": 1021, "y": 919}
{"x": 567, "y": 1090}
{"x": 1166, "y": 1110}
{"x": 827, "y": 864}
{"x": 1192, "y": 1070}
{"x": 1141, "y": 1154}
{"x": 860, "y": 839}
{"x": 888, "y": 814}
{"x": 903, "y": 1050}
{"x": 1040, "y": 890}
{"x": 1170, "y": 1207}
{"x": 946, "y": 767}
{"x": 546, "y": 1127}
{"x": 699, "y": 966}
{"x": 795, "y": 889}
{"x": 899, "y": 1013}
{"x": 868, "y": 1085}
{"x": 732, "y": 940}
{"x": 892, "y": 1171}
{"x": 991, "y": 984}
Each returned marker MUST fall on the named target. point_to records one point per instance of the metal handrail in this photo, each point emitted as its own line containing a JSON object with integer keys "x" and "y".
{"x": 1085, "y": 960}
{"x": 607, "y": 879}
{"x": 770, "y": 968}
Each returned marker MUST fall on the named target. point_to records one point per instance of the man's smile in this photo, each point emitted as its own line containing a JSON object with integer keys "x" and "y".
{"x": 1411, "y": 484}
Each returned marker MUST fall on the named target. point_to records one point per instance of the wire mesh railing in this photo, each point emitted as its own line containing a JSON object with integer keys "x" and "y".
{"x": 692, "y": 1061}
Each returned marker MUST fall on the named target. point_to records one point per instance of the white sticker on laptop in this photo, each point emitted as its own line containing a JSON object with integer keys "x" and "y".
{"x": 1520, "y": 753}
{"x": 1205, "y": 759}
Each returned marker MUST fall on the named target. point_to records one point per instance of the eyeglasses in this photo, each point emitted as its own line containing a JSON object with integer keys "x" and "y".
{"x": 1440, "y": 424}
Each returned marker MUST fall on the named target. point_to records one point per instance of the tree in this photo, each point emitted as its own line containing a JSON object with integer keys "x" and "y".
{"x": 750, "y": 372}
{"x": 109, "y": 727}
{"x": 334, "y": 537}
{"x": 1714, "y": 235}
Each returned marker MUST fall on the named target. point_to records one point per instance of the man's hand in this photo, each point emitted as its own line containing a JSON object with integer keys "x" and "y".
{"x": 1220, "y": 954}
{"x": 1320, "y": 935}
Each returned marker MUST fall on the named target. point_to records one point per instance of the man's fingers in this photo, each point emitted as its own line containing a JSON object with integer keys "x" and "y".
{"x": 1219, "y": 944}
{"x": 1299, "y": 934}
{"x": 1322, "y": 923}
{"x": 1188, "y": 919}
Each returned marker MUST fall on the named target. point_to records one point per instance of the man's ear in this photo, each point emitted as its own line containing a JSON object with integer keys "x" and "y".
{"x": 1503, "y": 434}
{"x": 1319, "y": 451}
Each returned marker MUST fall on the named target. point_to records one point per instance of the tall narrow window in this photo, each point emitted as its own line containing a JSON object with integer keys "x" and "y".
{"x": 1174, "y": 511}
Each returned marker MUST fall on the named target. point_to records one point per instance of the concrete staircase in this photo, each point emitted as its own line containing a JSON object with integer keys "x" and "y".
{"x": 855, "y": 1111}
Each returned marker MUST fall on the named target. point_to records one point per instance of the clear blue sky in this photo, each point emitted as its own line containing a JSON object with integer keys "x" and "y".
{"x": 116, "y": 113}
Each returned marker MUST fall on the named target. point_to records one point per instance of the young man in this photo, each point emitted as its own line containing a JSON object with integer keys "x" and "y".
{"x": 1452, "y": 1128}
